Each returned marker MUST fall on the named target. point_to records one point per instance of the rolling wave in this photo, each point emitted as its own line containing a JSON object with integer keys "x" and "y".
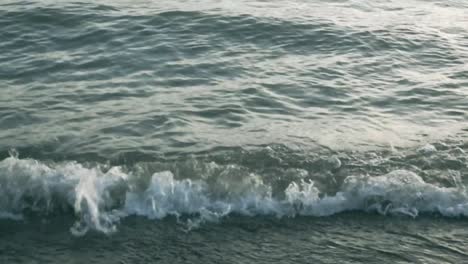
{"x": 197, "y": 190}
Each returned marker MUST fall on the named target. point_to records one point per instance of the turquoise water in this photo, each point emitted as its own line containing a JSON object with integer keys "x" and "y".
{"x": 233, "y": 132}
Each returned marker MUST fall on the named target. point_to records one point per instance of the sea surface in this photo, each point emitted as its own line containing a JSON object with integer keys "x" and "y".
{"x": 215, "y": 131}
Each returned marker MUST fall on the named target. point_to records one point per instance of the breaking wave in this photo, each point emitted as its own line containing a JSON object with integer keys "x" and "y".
{"x": 100, "y": 195}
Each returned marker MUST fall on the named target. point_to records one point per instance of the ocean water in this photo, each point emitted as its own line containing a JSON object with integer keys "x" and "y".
{"x": 213, "y": 131}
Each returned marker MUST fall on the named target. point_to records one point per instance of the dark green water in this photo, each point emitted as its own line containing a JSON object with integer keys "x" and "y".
{"x": 347, "y": 238}
{"x": 233, "y": 132}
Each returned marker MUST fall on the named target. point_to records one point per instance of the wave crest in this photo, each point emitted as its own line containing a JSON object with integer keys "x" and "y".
{"x": 99, "y": 196}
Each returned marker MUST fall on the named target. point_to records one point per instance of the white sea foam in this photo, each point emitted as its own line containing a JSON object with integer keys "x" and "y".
{"x": 100, "y": 198}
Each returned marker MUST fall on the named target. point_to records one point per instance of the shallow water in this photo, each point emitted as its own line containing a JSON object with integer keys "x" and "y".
{"x": 254, "y": 131}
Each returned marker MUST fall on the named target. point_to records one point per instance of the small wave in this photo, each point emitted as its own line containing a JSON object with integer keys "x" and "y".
{"x": 100, "y": 196}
